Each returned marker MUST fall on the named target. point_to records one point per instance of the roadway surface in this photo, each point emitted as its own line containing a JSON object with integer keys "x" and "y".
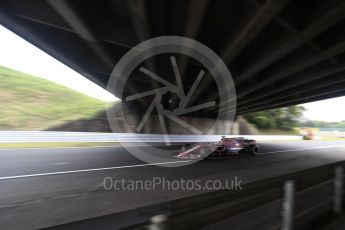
{"x": 46, "y": 187}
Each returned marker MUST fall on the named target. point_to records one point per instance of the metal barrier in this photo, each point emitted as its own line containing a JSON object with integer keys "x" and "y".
{"x": 50, "y": 136}
{"x": 287, "y": 223}
{"x": 292, "y": 201}
{"x": 294, "y": 209}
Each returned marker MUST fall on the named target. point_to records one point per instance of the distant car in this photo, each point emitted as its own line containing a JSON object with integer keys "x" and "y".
{"x": 226, "y": 147}
{"x": 309, "y": 135}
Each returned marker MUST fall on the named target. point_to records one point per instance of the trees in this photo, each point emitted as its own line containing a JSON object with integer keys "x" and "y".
{"x": 281, "y": 118}
{"x": 322, "y": 124}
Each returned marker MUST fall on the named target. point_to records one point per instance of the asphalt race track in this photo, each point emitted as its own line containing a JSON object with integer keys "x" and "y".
{"x": 45, "y": 187}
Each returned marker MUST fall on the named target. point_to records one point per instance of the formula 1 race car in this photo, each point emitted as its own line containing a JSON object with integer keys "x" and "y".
{"x": 226, "y": 147}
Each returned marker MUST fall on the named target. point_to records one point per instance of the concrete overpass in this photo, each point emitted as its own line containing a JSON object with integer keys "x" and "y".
{"x": 280, "y": 52}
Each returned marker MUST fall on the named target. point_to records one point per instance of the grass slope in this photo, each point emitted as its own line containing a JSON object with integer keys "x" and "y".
{"x": 278, "y": 132}
{"x": 32, "y": 103}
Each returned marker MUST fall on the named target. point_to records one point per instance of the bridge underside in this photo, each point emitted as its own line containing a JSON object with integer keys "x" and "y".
{"x": 279, "y": 52}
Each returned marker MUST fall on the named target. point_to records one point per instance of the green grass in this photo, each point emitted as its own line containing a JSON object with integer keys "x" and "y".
{"x": 277, "y": 132}
{"x": 332, "y": 138}
{"x": 53, "y": 144}
{"x": 32, "y": 103}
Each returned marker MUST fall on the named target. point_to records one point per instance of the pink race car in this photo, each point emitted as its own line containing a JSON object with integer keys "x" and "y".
{"x": 226, "y": 147}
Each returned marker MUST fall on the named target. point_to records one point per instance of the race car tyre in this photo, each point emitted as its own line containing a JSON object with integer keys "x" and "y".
{"x": 253, "y": 149}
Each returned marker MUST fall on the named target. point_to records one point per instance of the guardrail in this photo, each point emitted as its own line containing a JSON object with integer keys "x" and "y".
{"x": 300, "y": 200}
{"x": 293, "y": 209}
{"x": 50, "y": 136}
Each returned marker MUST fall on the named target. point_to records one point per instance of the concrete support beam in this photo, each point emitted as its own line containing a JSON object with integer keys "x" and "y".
{"x": 319, "y": 26}
{"x": 330, "y": 82}
{"x": 292, "y": 83}
{"x": 294, "y": 68}
{"x": 70, "y": 16}
{"x": 299, "y": 100}
{"x": 251, "y": 28}
{"x": 248, "y": 30}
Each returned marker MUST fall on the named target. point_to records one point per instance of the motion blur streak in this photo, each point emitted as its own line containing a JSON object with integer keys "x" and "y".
{"x": 61, "y": 198}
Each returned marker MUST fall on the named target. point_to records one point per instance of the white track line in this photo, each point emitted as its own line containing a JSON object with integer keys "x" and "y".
{"x": 90, "y": 170}
{"x": 143, "y": 165}
{"x": 293, "y": 150}
{"x": 66, "y": 147}
{"x": 83, "y": 147}
{"x": 61, "y": 163}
